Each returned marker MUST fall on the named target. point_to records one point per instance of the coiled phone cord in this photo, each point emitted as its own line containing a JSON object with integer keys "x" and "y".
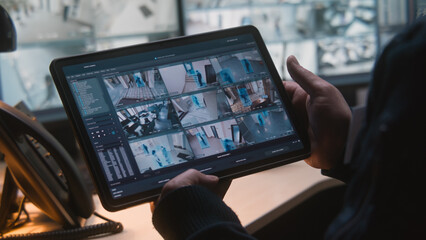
{"x": 109, "y": 227}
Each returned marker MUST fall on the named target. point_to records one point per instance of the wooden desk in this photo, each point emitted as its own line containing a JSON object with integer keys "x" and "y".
{"x": 257, "y": 199}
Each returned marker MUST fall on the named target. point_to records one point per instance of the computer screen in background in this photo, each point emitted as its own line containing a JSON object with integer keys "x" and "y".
{"x": 52, "y": 29}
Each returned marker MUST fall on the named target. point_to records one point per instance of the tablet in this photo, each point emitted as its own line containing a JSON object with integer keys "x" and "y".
{"x": 144, "y": 114}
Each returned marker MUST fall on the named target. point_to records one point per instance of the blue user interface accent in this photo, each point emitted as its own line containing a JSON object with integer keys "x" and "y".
{"x": 209, "y": 105}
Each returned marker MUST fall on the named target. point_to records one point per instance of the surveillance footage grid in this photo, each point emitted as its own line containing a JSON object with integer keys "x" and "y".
{"x": 190, "y": 110}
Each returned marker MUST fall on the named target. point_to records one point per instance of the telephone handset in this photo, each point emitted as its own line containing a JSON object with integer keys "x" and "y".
{"x": 51, "y": 182}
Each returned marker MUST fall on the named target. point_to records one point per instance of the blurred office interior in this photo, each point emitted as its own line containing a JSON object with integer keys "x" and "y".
{"x": 336, "y": 39}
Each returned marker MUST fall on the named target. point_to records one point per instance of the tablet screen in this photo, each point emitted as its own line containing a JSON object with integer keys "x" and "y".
{"x": 212, "y": 105}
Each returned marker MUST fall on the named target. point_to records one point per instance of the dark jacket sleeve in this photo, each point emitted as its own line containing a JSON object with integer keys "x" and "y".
{"x": 193, "y": 212}
{"x": 343, "y": 170}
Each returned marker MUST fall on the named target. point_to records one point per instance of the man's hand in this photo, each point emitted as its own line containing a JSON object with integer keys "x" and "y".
{"x": 324, "y": 112}
{"x": 194, "y": 177}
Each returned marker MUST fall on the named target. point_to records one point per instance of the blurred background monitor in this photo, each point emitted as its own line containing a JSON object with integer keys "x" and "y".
{"x": 48, "y": 29}
{"x": 336, "y": 39}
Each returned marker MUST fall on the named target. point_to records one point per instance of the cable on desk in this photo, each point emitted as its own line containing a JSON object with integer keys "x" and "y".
{"x": 109, "y": 227}
{"x": 16, "y": 223}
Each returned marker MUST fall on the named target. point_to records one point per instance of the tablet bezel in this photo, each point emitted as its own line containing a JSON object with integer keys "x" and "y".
{"x": 111, "y": 204}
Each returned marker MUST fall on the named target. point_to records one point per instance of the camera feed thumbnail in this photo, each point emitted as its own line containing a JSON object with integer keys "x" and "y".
{"x": 160, "y": 152}
{"x": 239, "y": 67}
{"x": 264, "y": 126}
{"x": 215, "y": 138}
{"x": 252, "y": 96}
{"x": 201, "y": 107}
{"x": 147, "y": 119}
{"x": 134, "y": 87}
{"x": 189, "y": 76}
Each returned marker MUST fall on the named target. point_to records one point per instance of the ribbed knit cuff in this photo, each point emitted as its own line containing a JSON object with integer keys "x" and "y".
{"x": 188, "y": 210}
